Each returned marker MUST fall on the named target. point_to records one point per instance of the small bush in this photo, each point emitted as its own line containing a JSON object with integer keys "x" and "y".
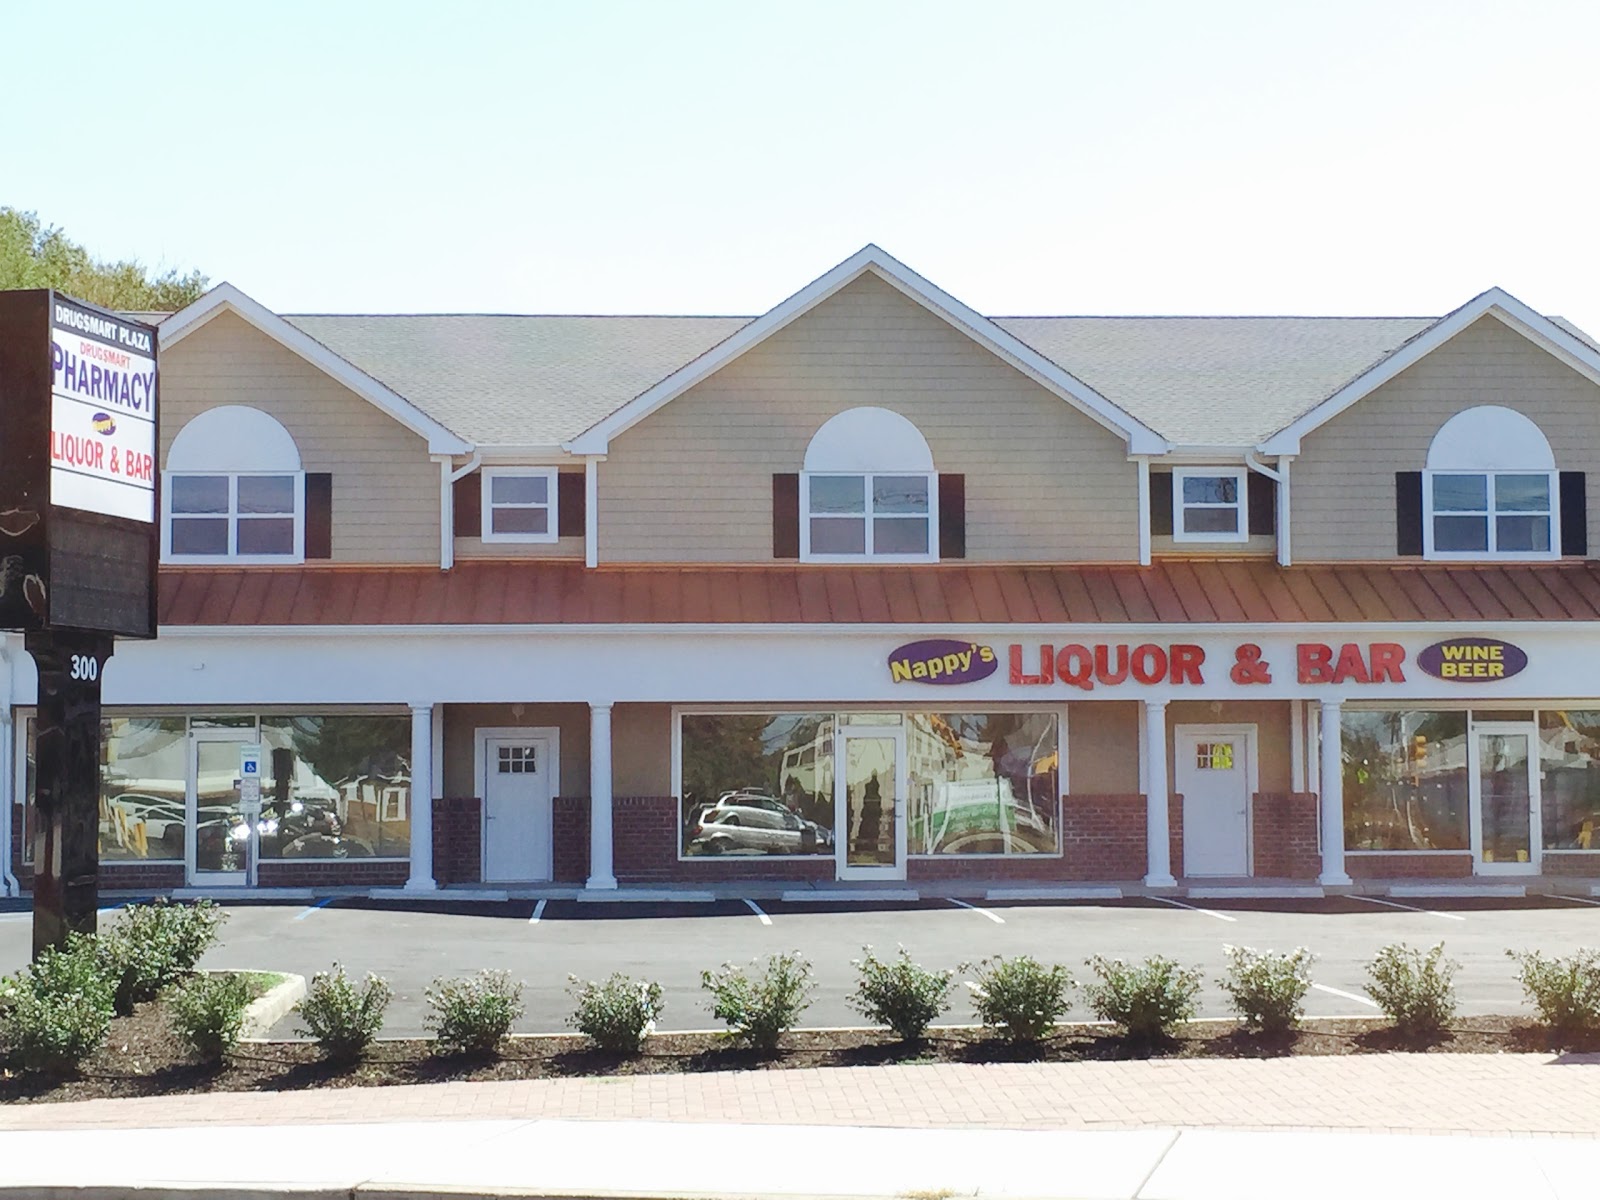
{"x": 1268, "y": 988}
{"x": 759, "y": 1010}
{"x": 207, "y": 1012}
{"x": 57, "y": 1011}
{"x": 1149, "y": 1001}
{"x": 1021, "y": 997}
{"x": 1564, "y": 991}
{"x": 900, "y": 994}
{"x": 342, "y": 1016}
{"x": 1413, "y": 987}
{"x": 153, "y": 945}
{"x": 473, "y": 1015}
{"x": 616, "y": 1014}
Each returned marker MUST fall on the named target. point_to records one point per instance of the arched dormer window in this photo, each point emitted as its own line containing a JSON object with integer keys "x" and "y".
{"x": 1490, "y": 489}
{"x": 234, "y": 491}
{"x": 869, "y": 491}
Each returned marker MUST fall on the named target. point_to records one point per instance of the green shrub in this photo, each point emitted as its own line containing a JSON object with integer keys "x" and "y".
{"x": 1268, "y": 988}
{"x": 342, "y": 1016}
{"x": 57, "y": 1011}
{"x": 1021, "y": 997}
{"x": 207, "y": 1012}
{"x": 1565, "y": 991}
{"x": 761, "y": 1009}
{"x": 1149, "y": 1001}
{"x": 153, "y": 945}
{"x": 616, "y": 1014}
{"x": 1413, "y": 987}
{"x": 900, "y": 994}
{"x": 473, "y": 1015}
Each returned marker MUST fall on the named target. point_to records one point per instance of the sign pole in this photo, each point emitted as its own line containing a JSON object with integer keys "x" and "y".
{"x": 66, "y": 857}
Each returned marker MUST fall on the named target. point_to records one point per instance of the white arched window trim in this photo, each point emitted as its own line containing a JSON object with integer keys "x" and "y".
{"x": 1490, "y": 490}
{"x": 234, "y": 491}
{"x": 869, "y": 491}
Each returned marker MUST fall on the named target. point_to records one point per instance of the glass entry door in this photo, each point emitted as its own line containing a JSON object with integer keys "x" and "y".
{"x": 1505, "y": 798}
{"x": 870, "y": 802}
{"x": 221, "y": 843}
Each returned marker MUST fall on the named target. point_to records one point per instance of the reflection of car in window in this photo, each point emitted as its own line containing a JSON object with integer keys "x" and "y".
{"x": 751, "y": 821}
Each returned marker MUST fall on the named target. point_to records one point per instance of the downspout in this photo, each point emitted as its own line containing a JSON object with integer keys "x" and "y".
{"x": 447, "y": 506}
{"x": 1279, "y": 476}
{"x": 8, "y": 775}
{"x": 1143, "y": 462}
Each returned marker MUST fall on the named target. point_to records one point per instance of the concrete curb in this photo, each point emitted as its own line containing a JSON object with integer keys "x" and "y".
{"x": 272, "y": 1006}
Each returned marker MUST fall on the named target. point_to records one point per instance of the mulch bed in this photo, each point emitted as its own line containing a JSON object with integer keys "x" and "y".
{"x": 141, "y": 1058}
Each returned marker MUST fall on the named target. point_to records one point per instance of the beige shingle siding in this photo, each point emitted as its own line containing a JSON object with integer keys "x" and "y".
{"x": 1343, "y": 483}
{"x": 385, "y": 488}
{"x": 693, "y": 482}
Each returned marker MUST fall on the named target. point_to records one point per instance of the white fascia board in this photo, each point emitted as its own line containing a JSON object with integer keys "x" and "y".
{"x": 534, "y": 455}
{"x": 227, "y": 298}
{"x": 1141, "y": 438}
{"x": 1496, "y": 302}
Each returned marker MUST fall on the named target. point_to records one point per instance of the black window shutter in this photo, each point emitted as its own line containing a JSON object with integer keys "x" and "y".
{"x": 1161, "y": 503}
{"x": 571, "y": 501}
{"x": 786, "y": 516}
{"x": 1262, "y": 494}
{"x": 469, "y": 505}
{"x": 952, "y": 516}
{"x": 1408, "y": 514}
{"x": 319, "y": 515}
{"x": 1574, "y": 514}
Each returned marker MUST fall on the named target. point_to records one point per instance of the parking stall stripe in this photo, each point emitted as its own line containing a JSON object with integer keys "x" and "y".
{"x": 756, "y": 908}
{"x": 306, "y": 912}
{"x": 1194, "y": 908}
{"x": 1333, "y": 991}
{"x": 538, "y": 911}
{"x": 1428, "y": 912}
{"x": 981, "y": 911}
{"x": 1582, "y": 900}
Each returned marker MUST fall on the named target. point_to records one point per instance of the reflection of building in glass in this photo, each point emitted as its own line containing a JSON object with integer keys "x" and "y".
{"x": 1406, "y": 780}
{"x": 982, "y": 783}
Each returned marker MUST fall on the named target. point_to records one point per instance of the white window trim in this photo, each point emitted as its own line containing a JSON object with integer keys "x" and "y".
{"x": 232, "y": 516}
{"x": 1242, "y": 490}
{"x": 870, "y": 556}
{"x": 1490, "y": 555}
{"x": 552, "y": 527}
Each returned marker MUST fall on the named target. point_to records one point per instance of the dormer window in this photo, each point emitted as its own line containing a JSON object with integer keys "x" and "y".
{"x": 1490, "y": 489}
{"x": 869, "y": 491}
{"x": 1208, "y": 505}
{"x": 519, "y": 504}
{"x": 234, "y": 491}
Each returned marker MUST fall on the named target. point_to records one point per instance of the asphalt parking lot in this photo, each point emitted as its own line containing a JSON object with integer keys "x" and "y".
{"x": 411, "y": 944}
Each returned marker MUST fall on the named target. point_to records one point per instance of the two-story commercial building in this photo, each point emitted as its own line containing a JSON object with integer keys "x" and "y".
{"x": 868, "y": 588}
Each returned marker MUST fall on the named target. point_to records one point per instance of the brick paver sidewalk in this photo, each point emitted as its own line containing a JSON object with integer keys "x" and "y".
{"x": 1389, "y": 1093}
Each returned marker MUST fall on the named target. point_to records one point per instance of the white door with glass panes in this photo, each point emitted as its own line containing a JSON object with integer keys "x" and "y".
{"x": 1215, "y": 775}
{"x": 518, "y": 773}
{"x": 221, "y": 843}
{"x": 870, "y": 801}
{"x": 1503, "y": 765}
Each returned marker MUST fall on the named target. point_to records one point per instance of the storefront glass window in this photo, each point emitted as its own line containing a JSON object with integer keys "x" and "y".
{"x": 1406, "y": 783}
{"x": 335, "y": 787}
{"x": 757, "y": 783}
{"x": 983, "y": 783}
{"x": 1569, "y": 779}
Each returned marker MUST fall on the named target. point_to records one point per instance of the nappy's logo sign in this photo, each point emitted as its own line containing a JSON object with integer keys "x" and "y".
{"x": 1472, "y": 660}
{"x": 942, "y": 661}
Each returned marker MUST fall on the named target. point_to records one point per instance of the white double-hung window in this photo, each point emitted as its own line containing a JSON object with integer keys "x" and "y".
{"x": 519, "y": 504}
{"x": 1208, "y": 504}
{"x": 233, "y": 491}
{"x": 869, "y": 491}
{"x": 1490, "y": 489}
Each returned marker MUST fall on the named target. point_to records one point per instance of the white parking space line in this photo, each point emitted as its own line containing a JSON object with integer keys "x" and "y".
{"x": 1580, "y": 900}
{"x": 982, "y": 911}
{"x": 307, "y": 911}
{"x": 1430, "y": 912}
{"x": 760, "y": 916}
{"x": 538, "y": 911}
{"x": 1333, "y": 991}
{"x": 1210, "y": 912}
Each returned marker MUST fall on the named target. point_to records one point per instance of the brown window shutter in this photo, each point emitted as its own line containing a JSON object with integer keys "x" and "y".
{"x": 319, "y": 515}
{"x": 786, "y": 516}
{"x": 571, "y": 503}
{"x": 1161, "y": 503}
{"x": 469, "y": 505}
{"x": 952, "y": 516}
{"x": 1574, "y": 514}
{"x": 1262, "y": 494}
{"x": 1408, "y": 514}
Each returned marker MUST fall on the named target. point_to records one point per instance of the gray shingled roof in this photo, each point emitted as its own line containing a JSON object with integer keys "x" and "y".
{"x": 535, "y": 380}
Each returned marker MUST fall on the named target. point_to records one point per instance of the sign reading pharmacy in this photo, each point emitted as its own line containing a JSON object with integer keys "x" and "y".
{"x": 1090, "y": 666}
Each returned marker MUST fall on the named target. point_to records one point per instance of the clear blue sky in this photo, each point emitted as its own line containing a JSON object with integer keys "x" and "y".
{"x": 1115, "y": 157}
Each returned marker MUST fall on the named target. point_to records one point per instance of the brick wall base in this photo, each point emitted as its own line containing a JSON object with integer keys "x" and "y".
{"x": 1175, "y": 833}
{"x": 458, "y": 840}
{"x": 1284, "y": 830}
{"x": 1408, "y": 866}
{"x": 1103, "y": 837}
{"x": 331, "y": 872}
{"x": 1583, "y": 864}
{"x": 569, "y": 834}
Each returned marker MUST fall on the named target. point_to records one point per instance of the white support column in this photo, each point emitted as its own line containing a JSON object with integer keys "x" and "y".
{"x": 1297, "y": 745}
{"x": 591, "y": 512}
{"x": 601, "y": 876}
{"x": 1144, "y": 510}
{"x": 421, "y": 800}
{"x": 1157, "y": 798}
{"x": 8, "y": 782}
{"x": 1333, "y": 872}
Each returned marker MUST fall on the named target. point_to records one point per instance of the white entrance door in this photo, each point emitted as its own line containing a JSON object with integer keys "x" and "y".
{"x": 1216, "y": 775}
{"x": 869, "y": 790}
{"x": 1505, "y": 798}
{"x": 221, "y": 844}
{"x": 518, "y": 772}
